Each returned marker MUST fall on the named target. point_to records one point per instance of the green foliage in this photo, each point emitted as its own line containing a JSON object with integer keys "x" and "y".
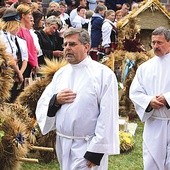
{"x": 41, "y": 166}
{"x": 131, "y": 160}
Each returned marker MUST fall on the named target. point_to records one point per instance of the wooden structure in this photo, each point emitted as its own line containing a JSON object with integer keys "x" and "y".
{"x": 149, "y": 15}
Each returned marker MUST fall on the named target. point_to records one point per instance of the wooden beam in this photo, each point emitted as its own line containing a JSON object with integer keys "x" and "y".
{"x": 31, "y": 160}
{"x": 40, "y": 148}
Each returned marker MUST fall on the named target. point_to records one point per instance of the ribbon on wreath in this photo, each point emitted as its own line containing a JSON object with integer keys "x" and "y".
{"x": 128, "y": 65}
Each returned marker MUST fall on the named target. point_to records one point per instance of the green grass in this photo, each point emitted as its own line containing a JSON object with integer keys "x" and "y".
{"x": 131, "y": 160}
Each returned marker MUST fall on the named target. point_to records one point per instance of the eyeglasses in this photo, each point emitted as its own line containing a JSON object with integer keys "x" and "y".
{"x": 70, "y": 44}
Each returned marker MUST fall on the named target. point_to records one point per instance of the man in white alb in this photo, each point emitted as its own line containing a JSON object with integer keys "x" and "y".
{"x": 81, "y": 103}
{"x": 150, "y": 93}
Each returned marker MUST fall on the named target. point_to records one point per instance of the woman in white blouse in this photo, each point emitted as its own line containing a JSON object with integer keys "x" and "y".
{"x": 109, "y": 32}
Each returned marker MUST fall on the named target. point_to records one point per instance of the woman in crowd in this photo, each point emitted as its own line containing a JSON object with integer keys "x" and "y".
{"x": 15, "y": 46}
{"x": 109, "y": 32}
{"x": 49, "y": 39}
{"x": 26, "y": 15}
{"x": 65, "y": 18}
{"x": 118, "y": 16}
{"x": 53, "y": 6}
{"x": 29, "y": 26}
{"x": 38, "y": 20}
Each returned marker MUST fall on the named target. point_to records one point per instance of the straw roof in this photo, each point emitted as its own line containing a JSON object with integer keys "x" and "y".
{"x": 152, "y": 4}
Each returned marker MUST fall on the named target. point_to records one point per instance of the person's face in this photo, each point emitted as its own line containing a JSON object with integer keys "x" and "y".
{"x": 125, "y": 9}
{"x": 111, "y": 17}
{"x": 74, "y": 50}
{"x": 83, "y": 3}
{"x": 39, "y": 5}
{"x": 31, "y": 22}
{"x": 62, "y": 9}
{"x": 160, "y": 45}
{"x": 102, "y": 12}
{"x": 118, "y": 16}
{"x": 54, "y": 7}
{"x": 41, "y": 22}
{"x": 26, "y": 18}
{"x": 82, "y": 12}
{"x": 28, "y": 2}
{"x": 52, "y": 29}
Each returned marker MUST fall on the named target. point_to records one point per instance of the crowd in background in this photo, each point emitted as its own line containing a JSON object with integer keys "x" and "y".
{"x": 32, "y": 32}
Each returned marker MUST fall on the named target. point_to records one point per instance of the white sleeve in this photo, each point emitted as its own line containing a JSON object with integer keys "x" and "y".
{"x": 23, "y": 48}
{"x": 46, "y": 123}
{"x": 139, "y": 97}
{"x": 36, "y": 42}
{"x": 73, "y": 13}
{"x": 106, "y": 139}
{"x": 106, "y": 32}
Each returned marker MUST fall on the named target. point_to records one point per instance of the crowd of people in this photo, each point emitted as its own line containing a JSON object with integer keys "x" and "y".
{"x": 32, "y": 33}
{"x": 85, "y": 89}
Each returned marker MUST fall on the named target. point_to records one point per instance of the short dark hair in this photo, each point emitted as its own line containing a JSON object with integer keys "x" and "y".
{"x": 80, "y": 7}
{"x": 53, "y": 12}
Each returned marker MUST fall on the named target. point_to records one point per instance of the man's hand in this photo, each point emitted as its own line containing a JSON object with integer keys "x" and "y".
{"x": 158, "y": 102}
{"x": 58, "y": 53}
{"x": 162, "y": 99}
{"x": 65, "y": 96}
{"x": 90, "y": 164}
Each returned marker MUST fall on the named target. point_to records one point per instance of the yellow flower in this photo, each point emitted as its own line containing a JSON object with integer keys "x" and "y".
{"x": 126, "y": 141}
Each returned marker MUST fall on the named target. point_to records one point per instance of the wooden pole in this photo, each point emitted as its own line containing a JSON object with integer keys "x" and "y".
{"x": 40, "y": 148}
{"x": 31, "y": 160}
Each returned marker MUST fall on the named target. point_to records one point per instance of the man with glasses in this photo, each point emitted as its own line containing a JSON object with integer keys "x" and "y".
{"x": 81, "y": 103}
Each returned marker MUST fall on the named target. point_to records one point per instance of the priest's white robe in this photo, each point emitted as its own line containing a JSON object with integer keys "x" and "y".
{"x": 153, "y": 78}
{"x": 93, "y": 113}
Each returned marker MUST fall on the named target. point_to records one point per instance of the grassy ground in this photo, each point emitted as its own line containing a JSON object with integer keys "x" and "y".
{"x": 125, "y": 161}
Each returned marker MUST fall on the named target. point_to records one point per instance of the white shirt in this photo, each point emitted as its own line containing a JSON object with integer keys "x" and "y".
{"x": 92, "y": 4}
{"x": 106, "y": 32}
{"x": 79, "y": 21}
{"x": 23, "y": 48}
{"x": 36, "y": 42}
{"x": 64, "y": 17}
{"x": 152, "y": 79}
{"x": 9, "y": 43}
{"x": 73, "y": 13}
{"x": 94, "y": 112}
